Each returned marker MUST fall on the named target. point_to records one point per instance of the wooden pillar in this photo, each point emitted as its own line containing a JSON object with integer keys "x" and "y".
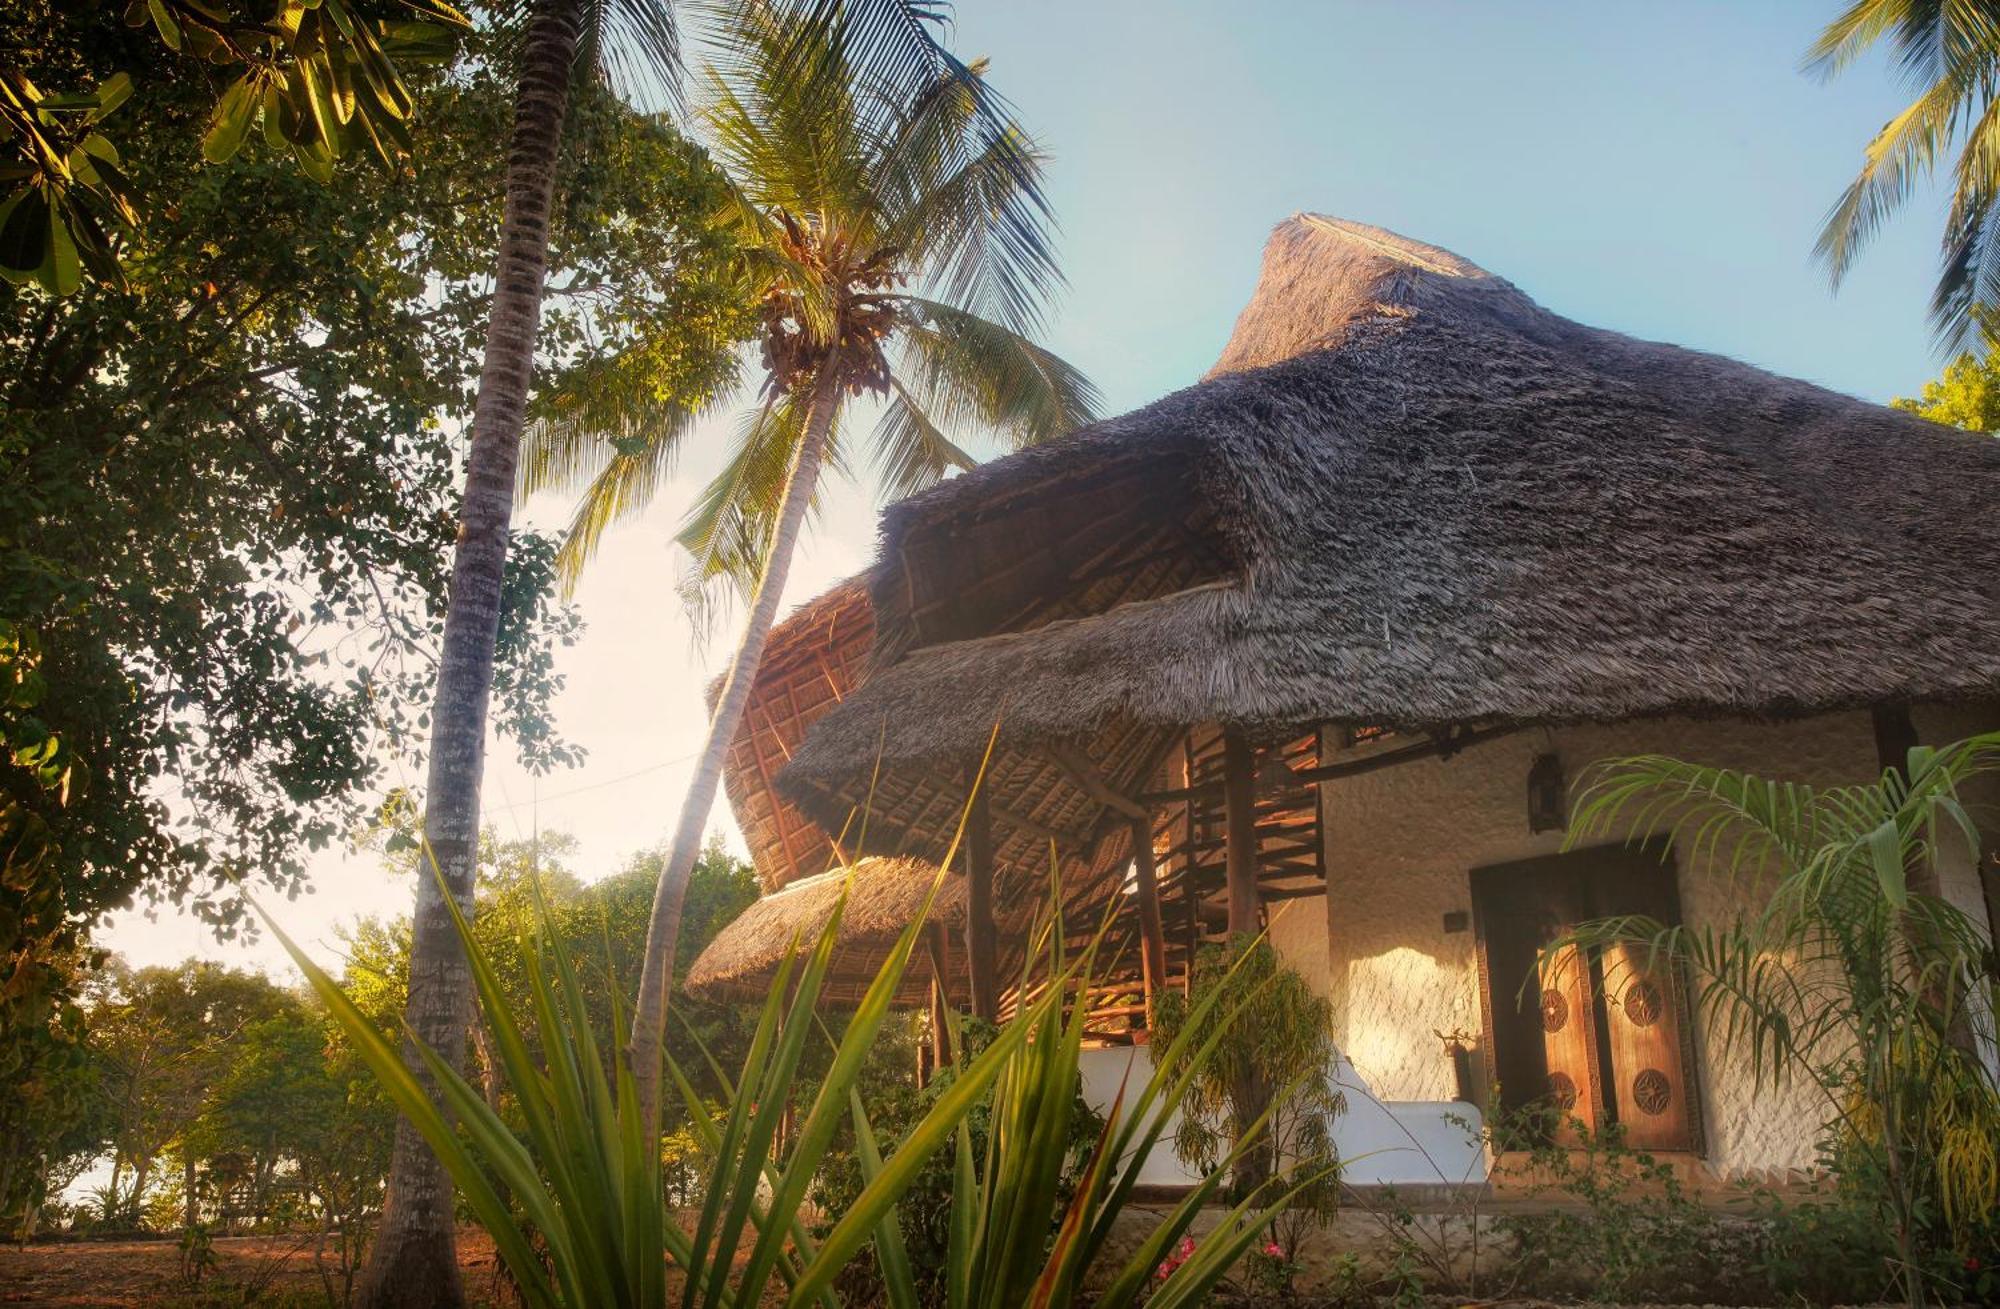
{"x": 1190, "y": 881}
{"x": 1152, "y": 932}
{"x": 981, "y": 937}
{"x": 1239, "y": 789}
{"x": 938, "y": 943}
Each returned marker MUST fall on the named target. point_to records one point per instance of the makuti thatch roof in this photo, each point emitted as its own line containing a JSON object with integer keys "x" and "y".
{"x": 811, "y": 659}
{"x": 1410, "y": 496}
{"x": 883, "y": 897}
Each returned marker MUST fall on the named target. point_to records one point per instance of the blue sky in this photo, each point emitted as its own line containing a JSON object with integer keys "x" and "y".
{"x": 1658, "y": 169}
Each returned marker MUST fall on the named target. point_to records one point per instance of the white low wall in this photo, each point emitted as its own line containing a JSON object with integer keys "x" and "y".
{"x": 1379, "y": 1142}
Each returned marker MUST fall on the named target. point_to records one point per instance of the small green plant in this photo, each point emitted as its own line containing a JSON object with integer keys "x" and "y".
{"x": 1024, "y": 1227}
{"x": 1279, "y": 1063}
{"x": 1624, "y": 1226}
{"x": 197, "y": 1247}
{"x": 1853, "y": 974}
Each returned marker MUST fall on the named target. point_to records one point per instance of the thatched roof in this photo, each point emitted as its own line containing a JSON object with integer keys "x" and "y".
{"x": 883, "y": 897}
{"x": 812, "y": 659}
{"x": 1410, "y": 496}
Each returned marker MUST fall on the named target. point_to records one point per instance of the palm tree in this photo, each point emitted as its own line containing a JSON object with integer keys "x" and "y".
{"x": 1950, "y": 54}
{"x": 1846, "y": 974}
{"x": 412, "y": 1260}
{"x": 897, "y": 245}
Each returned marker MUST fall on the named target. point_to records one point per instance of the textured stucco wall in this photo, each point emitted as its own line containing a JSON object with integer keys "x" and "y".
{"x": 1400, "y": 843}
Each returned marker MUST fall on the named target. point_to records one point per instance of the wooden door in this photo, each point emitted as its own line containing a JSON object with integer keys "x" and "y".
{"x": 1610, "y": 1041}
{"x": 1541, "y": 1030}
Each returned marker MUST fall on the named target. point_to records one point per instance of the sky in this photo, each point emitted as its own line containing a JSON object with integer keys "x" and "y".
{"x": 1657, "y": 169}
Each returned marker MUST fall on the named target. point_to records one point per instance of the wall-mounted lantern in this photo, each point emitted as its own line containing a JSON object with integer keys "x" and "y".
{"x": 1548, "y": 795}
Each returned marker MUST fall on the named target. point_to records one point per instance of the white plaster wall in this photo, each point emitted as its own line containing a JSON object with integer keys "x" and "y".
{"x": 1400, "y": 843}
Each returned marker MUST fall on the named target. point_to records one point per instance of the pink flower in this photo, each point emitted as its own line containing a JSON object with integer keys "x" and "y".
{"x": 1273, "y": 1249}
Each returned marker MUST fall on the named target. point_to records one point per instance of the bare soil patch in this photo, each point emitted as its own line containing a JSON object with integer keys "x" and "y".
{"x": 147, "y": 1272}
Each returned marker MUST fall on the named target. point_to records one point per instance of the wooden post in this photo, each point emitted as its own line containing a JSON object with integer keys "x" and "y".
{"x": 1152, "y": 932}
{"x": 1250, "y": 1094}
{"x": 938, "y": 942}
{"x": 1239, "y": 789}
{"x": 981, "y": 937}
{"x": 1190, "y": 880}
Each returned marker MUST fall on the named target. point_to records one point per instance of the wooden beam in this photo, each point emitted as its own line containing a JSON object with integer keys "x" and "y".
{"x": 1441, "y": 745}
{"x": 1078, "y": 769}
{"x": 1153, "y": 932}
{"x": 937, "y": 940}
{"x": 1239, "y": 791}
{"x": 981, "y": 937}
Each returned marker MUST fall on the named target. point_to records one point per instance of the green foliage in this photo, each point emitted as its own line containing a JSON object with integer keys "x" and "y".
{"x": 53, "y": 1116}
{"x": 1281, "y": 1060}
{"x": 227, "y": 485}
{"x": 1622, "y": 1228}
{"x": 1949, "y": 55}
{"x": 586, "y": 1173}
{"x": 1967, "y": 394}
{"x": 842, "y": 188}
{"x": 1851, "y": 974}
{"x": 894, "y": 1104}
{"x": 317, "y": 75}
{"x": 163, "y": 1037}
{"x": 1026, "y": 1225}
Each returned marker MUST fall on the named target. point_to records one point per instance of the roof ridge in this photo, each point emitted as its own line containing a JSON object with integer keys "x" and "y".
{"x": 1403, "y": 250}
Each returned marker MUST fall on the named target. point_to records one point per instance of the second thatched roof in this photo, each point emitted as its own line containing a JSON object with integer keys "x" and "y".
{"x": 1409, "y": 496}
{"x": 884, "y": 896}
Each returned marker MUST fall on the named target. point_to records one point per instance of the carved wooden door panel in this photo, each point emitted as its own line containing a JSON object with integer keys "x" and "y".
{"x": 1648, "y": 1074}
{"x": 1569, "y": 1039}
{"x": 1645, "y": 1007}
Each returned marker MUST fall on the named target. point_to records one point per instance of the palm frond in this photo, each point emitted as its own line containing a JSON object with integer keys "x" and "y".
{"x": 910, "y": 451}
{"x": 968, "y": 370}
{"x": 635, "y": 46}
{"x": 726, "y": 531}
{"x": 611, "y": 439}
{"x": 963, "y": 198}
{"x": 1950, "y": 53}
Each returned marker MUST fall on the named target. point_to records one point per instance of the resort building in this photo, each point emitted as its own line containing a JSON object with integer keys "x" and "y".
{"x": 1320, "y": 645}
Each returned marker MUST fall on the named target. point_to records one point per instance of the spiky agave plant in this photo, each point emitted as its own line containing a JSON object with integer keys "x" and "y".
{"x": 1022, "y": 1229}
{"x": 1845, "y": 974}
{"x": 584, "y": 1176}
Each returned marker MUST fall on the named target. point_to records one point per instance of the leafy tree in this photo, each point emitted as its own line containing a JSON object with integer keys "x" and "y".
{"x": 844, "y": 191}
{"x": 317, "y": 76}
{"x": 1949, "y": 54}
{"x": 164, "y": 1036}
{"x": 226, "y": 487}
{"x": 54, "y": 1117}
{"x": 1280, "y": 1058}
{"x": 1846, "y": 974}
{"x": 1967, "y": 394}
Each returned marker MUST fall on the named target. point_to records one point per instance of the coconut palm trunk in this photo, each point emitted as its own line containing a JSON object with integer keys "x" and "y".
{"x": 663, "y": 932}
{"x": 413, "y": 1261}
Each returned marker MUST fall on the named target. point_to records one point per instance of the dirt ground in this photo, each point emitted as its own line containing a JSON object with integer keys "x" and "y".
{"x": 132, "y": 1273}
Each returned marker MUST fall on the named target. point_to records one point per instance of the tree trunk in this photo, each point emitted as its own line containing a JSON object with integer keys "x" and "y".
{"x": 413, "y": 1261}
{"x": 656, "y": 976}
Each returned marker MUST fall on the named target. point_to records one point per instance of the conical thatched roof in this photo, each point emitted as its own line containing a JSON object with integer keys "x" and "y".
{"x": 811, "y": 660}
{"x": 1410, "y": 496}
{"x": 885, "y": 897}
